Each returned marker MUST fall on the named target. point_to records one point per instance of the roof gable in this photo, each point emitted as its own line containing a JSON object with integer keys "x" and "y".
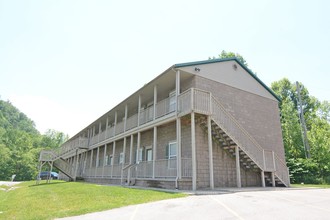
{"x": 212, "y": 61}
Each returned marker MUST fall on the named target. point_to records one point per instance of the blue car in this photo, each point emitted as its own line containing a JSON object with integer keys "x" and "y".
{"x": 45, "y": 174}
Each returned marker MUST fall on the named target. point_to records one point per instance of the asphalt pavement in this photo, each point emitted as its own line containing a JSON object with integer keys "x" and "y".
{"x": 272, "y": 203}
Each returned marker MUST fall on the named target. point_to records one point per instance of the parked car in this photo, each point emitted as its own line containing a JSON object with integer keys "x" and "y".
{"x": 45, "y": 174}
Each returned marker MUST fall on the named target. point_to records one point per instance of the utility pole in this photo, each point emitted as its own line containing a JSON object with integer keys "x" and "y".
{"x": 302, "y": 123}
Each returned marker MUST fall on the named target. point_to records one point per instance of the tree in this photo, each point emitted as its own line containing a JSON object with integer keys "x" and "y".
{"x": 316, "y": 169}
{"x": 224, "y": 54}
{"x": 20, "y": 143}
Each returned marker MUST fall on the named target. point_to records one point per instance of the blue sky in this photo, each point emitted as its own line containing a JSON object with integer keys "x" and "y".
{"x": 65, "y": 63}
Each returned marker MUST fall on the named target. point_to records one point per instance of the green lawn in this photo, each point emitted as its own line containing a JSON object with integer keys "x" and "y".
{"x": 61, "y": 199}
{"x": 310, "y": 185}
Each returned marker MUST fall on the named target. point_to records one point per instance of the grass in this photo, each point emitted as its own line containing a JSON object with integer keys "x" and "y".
{"x": 62, "y": 199}
{"x": 310, "y": 185}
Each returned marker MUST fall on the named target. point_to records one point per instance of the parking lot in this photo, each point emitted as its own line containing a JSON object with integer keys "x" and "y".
{"x": 269, "y": 203}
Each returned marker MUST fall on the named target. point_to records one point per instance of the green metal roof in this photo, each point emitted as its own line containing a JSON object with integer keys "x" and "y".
{"x": 224, "y": 60}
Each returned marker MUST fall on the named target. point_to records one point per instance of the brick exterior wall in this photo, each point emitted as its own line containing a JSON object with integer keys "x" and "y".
{"x": 260, "y": 116}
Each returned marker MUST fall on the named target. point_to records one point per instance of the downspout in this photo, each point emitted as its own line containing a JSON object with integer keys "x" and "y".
{"x": 177, "y": 91}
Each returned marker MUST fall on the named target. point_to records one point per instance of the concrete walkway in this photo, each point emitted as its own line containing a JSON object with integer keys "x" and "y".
{"x": 8, "y": 183}
{"x": 248, "y": 203}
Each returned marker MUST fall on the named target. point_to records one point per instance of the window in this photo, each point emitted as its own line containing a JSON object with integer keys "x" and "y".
{"x": 108, "y": 160}
{"x": 171, "y": 155}
{"x": 172, "y": 148}
{"x": 139, "y": 154}
{"x": 121, "y": 158}
{"x": 149, "y": 154}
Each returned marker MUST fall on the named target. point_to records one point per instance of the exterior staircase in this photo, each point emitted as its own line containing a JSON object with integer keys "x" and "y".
{"x": 56, "y": 157}
{"x": 227, "y": 131}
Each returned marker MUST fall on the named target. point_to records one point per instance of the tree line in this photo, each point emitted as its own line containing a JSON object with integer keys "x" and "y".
{"x": 21, "y": 142}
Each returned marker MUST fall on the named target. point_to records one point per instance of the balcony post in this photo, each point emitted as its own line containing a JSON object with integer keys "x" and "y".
{"x": 91, "y": 160}
{"x": 76, "y": 165}
{"x": 125, "y": 122}
{"x": 100, "y": 127}
{"x": 264, "y": 159}
{"x": 97, "y": 160}
{"x": 113, "y": 157}
{"x": 104, "y": 155}
{"x": 238, "y": 169}
{"x": 192, "y": 99}
{"x": 273, "y": 173}
{"x": 178, "y": 141}
{"x": 123, "y": 163}
{"x": 84, "y": 163}
{"x": 115, "y": 124}
{"x": 155, "y": 101}
{"x": 130, "y": 160}
{"x": 106, "y": 128}
{"x": 193, "y": 152}
{"x": 138, "y": 146}
{"x": 209, "y": 132}
{"x": 154, "y": 152}
{"x": 139, "y": 111}
{"x": 177, "y": 88}
{"x": 263, "y": 184}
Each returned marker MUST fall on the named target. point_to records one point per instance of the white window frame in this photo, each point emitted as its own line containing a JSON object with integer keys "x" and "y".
{"x": 121, "y": 158}
{"x": 108, "y": 160}
{"x": 171, "y": 162}
{"x": 148, "y": 149}
{"x": 139, "y": 155}
{"x": 171, "y": 156}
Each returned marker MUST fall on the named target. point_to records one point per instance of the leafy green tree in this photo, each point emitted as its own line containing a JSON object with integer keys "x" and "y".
{"x": 316, "y": 169}
{"x": 224, "y": 54}
{"x": 20, "y": 143}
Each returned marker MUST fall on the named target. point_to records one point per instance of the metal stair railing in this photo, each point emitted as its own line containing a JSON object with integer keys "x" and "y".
{"x": 65, "y": 167}
{"x": 203, "y": 102}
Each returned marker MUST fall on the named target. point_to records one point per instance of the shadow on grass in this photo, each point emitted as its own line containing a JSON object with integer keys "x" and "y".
{"x": 45, "y": 184}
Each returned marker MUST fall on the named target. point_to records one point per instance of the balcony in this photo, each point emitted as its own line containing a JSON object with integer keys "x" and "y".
{"x": 191, "y": 99}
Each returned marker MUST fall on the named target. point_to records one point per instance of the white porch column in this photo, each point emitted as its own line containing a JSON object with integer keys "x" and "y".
{"x": 100, "y": 128}
{"x": 238, "y": 169}
{"x": 123, "y": 164}
{"x": 273, "y": 173}
{"x": 88, "y": 137}
{"x": 177, "y": 87}
{"x": 263, "y": 184}
{"x": 76, "y": 165}
{"x": 106, "y": 128}
{"x": 91, "y": 160}
{"x": 115, "y": 124}
{"x": 273, "y": 179}
{"x": 193, "y": 152}
{"x": 138, "y": 144}
{"x": 209, "y": 132}
{"x": 155, "y": 101}
{"x": 124, "y": 151}
{"x": 113, "y": 157}
{"x": 139, "y": 109}
{"x": 104, "y": 155}
{"x": 97, "y": 160}
{"x": 130, "y": 160}
{"x": 84, "y": 163}
{"x": 125, "y": 123}
{"x": 154, "y": 151}
{"x": 178, "y": 142}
